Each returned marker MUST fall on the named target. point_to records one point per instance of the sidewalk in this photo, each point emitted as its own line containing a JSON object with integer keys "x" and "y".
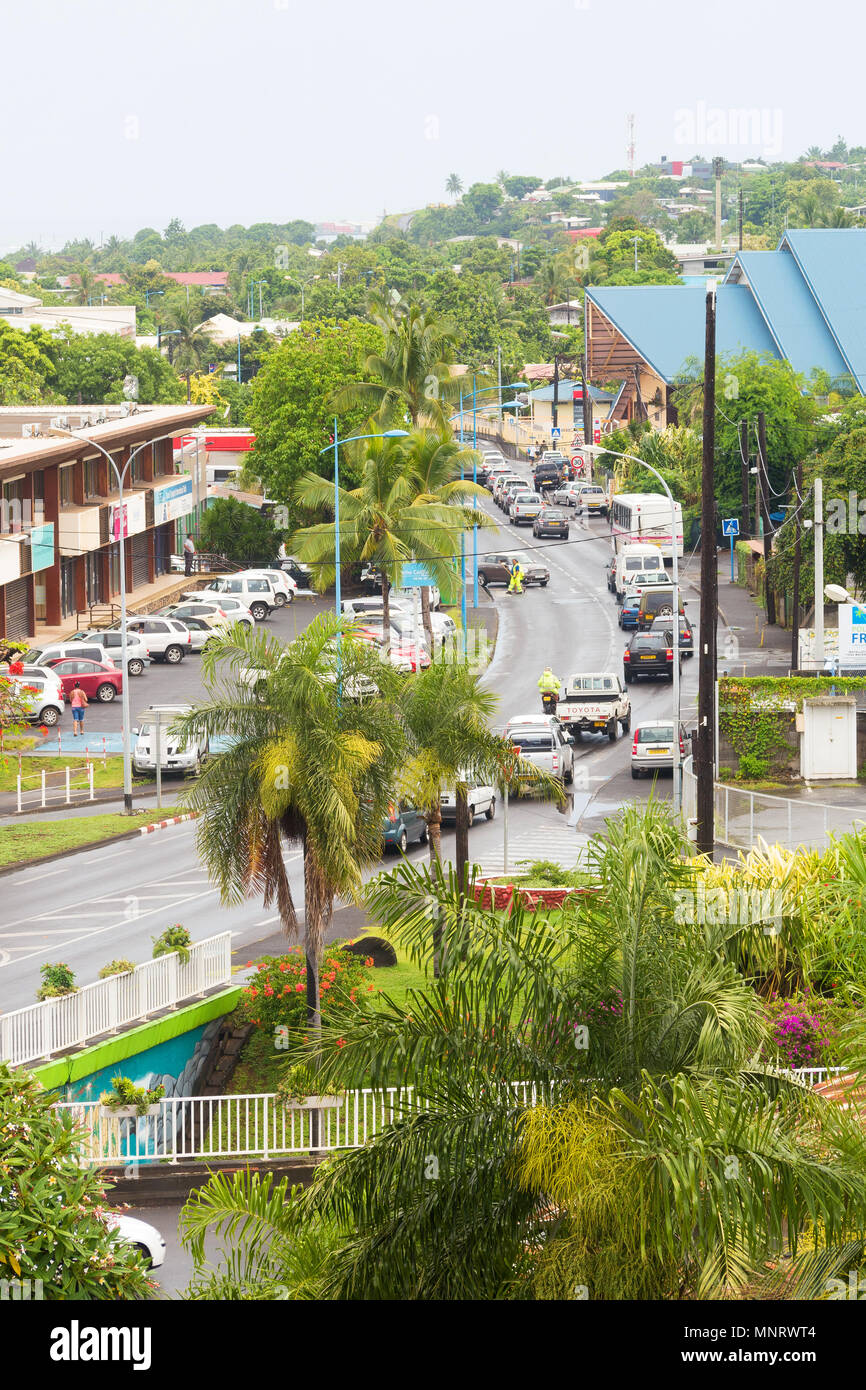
{"x": 747, "y": 644}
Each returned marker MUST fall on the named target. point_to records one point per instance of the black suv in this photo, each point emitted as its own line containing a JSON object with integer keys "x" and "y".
{"x": 546, "y": 475}
{"x": 648, "y": 654}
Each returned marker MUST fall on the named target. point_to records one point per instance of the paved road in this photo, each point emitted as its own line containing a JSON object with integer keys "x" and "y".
{"x": 110, "y": 902}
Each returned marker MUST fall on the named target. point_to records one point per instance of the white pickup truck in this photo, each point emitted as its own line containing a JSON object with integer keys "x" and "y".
{"x": 594, "y": 702}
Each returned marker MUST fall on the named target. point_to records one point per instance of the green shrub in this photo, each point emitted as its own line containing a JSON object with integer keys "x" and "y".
{"x": 276, "y": 996}
{"x": 174, "y": 940}
{"x": 57, "y": 1234}
{"x": 127, "y": 1093}
{"x": 753, "y": 768}
{"x": 116, "y": 967}
{"x": 57, "y": 979}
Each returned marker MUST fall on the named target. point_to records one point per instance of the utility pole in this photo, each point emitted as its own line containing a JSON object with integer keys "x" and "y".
{"x": 709, "y": 594}
{"x": 587, "y": 410}
{"x": 818, "y": 651}
{"x": 769, "y": 596}
{"x": 555, "y": 389}
{"x": 718, "y": 166}
{"x": 740, "y": 221}
{"x": 743, "y": 431}
{"x": 795, "y": 616}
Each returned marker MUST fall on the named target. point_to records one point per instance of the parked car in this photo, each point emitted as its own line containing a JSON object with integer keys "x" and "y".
{"x": 42, "y": 696}
{"x": 145, "y": 1238}
{"x": 56, "y": 651}
{"x": 525, "y": 507}
{"x": 567, "y": 495}
{"x": 256, "y": 594}
{"x": 167, "y": 639}
{"x": 98, "y": 679}
{"x": 551, "y": 521}
{"x": 687, "y": 637}
{"x": 174, "y": 754}
{"x": 404, "y": 825}
{"x": 543, "y": 742}
{"x": 496, "y": 569}
{"x": 444, "y": 627}
{"x": 137, "y": 655}
{"x": 648, "y": 654}
{"x": 229, "y": 610}
{"x": 284, "y": 585}
{"x": 652, "y": 747}
{"x": 36, "y": 672}
{"x": 592, "y": 500}
{"x": 480, "y": 799}
{"x": 302, "y": 574}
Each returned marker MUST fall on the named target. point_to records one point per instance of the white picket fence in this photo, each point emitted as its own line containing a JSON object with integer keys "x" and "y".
{"x": 55, "y": 1025}
{"x": 261, "y": 1126}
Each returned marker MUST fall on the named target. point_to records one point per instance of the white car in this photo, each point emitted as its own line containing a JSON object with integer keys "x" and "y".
{"x": 525, "y": 506}
{"x": 652, "y": 747}
{"x": 144, "y": 1237}
{"x": 285, "y": 586}
{"x": 256, "y": 594}
{"x": 229, "y": 610}
{"x": 137, "y": 655}
{"x": 69, "y": 651}
{"x": 541, "y": 740}
{"x": 167, "y": 639}
{"x": 43, "y": 697}
{"x": 174, "y": 755}
{"x": 480, "y": 798}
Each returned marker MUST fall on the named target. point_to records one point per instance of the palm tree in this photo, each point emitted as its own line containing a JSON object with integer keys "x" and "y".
{"x": 308, "y": 765}
{"x": 661, "y": 1159}
{"x": 85, "y": 284}
{"x": 412, "y": 375}
{"x": 385, "y": 522}
{"x": 454, "y": 186}
{"x": 440, "y": 471}
{"x": 191, "y": 340}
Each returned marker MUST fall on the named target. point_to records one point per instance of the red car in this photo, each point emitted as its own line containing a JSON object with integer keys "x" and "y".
{"x": 97, "y": 679}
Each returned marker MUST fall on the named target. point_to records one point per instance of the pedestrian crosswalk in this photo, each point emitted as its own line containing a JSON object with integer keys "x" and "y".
{"x": 559, "y": 843}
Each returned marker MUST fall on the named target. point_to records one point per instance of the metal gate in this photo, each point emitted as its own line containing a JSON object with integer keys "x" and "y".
{"x": 18, "y": 615}
{"x": 140, "y": 564}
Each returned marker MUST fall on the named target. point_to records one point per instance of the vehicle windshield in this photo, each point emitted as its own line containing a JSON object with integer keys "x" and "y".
{"x": 662, "y": 735}
{"x": 532, "y": 743}
{"x": 591, "y": 683}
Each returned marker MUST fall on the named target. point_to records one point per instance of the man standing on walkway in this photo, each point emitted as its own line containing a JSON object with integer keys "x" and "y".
{"x": 188, "y": 555}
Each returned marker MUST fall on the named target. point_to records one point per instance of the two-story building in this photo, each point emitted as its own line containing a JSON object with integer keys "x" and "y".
{"x": 60, "y": 518}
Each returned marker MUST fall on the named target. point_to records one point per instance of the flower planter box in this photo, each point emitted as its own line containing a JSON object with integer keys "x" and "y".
{"x": 128, "y": 1112}
{"x": 503, "y": 896}
{"x": 314, "y": 1103}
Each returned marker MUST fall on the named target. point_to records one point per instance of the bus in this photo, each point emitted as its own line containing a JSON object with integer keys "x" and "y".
{"x": 645, "y": 517}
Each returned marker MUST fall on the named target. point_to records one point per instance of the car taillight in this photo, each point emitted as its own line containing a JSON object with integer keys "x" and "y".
{"x": 686, "y": 635}
{"x": 669, "y": 653}
{"x": 682, "y": 745}
{"x": 392, "y": 814}
{"x": 555, "y": 761}
{"x": 634, "y": 745}
{"x": 626, "y": 656}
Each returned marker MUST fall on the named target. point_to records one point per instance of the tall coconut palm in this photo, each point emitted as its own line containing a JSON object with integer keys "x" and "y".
{"x": 385, "y": 522}
{"x": 308, "y": 765}
{"x": 594, "y": 1099}
{"x": 191, "y": 340}
{"x": 412, "y": 376}
{"x": 86, "y": 284}
{"x": 454, "y": 186}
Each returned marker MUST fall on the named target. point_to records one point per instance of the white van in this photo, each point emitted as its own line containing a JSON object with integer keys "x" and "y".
{"x": 634, "y": 559}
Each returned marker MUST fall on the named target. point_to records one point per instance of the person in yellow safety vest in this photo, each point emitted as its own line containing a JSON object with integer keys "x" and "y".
{"x": 515, "y": 583}
{"x": 548, "y": 683}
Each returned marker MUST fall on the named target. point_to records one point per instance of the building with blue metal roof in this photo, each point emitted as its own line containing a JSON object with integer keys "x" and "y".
{"x": 804, "y": 303}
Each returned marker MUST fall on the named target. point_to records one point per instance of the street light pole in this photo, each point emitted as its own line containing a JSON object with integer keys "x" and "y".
{"x": 819, "y": 573}
{"x": 709, "y": 594}
{"x": 475, "y": 482}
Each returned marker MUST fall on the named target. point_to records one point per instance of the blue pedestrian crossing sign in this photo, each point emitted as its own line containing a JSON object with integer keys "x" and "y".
{"x": 556, "y": 432}
{"x": 730, "y": 526}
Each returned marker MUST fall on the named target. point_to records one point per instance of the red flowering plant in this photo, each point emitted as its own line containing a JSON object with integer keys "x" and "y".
{"x": 276, "y": 995}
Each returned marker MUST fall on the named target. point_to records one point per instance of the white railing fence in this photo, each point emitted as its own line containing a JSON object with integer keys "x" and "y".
{"x": 72, "y": 1020}
{"x": 741, "y": 816}
{"x": 261, "y": 1126}
{"x": 62, "y": 787}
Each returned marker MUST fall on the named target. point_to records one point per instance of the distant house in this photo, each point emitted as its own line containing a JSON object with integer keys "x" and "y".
{"x": 567, "y": 312}
{"x": 26, "y": 311}
{"x": 208, "y": 281}
{"x": 803, "y": 303}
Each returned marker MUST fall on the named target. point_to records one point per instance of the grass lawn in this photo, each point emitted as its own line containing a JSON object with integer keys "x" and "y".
{"x": 108, "y": 775}
{"x": 33, "y": 840}
{"x": 261, "y": 1066}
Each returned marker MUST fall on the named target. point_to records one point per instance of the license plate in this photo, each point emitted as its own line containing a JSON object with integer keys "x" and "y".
{"x": 653, "y": 751}
{"x": 647, "y": 658}
{"x": 600, "y": 724}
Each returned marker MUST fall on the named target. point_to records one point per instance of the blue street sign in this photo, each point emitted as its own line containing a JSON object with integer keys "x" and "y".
{"x": 556, "y": 432}
{"x": 415, "y": 576}
{"x": 730, "y": 526}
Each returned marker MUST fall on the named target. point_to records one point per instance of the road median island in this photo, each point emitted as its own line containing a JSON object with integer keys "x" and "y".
{"x": 33, "y": 842}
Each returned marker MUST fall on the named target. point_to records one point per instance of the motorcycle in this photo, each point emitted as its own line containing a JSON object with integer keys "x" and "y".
{"x": 548, "y": 701}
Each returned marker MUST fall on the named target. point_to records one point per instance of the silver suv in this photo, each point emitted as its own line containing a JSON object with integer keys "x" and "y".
{"x": 543, "y": 742}
{"x": 137, "y": 655}
{"x": 166, "y": 639}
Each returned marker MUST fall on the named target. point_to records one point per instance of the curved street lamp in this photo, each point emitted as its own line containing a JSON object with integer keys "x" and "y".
{"x": 335, "y": 445}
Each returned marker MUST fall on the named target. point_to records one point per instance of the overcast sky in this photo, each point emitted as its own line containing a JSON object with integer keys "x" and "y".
{"x": 118, "y": 114}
